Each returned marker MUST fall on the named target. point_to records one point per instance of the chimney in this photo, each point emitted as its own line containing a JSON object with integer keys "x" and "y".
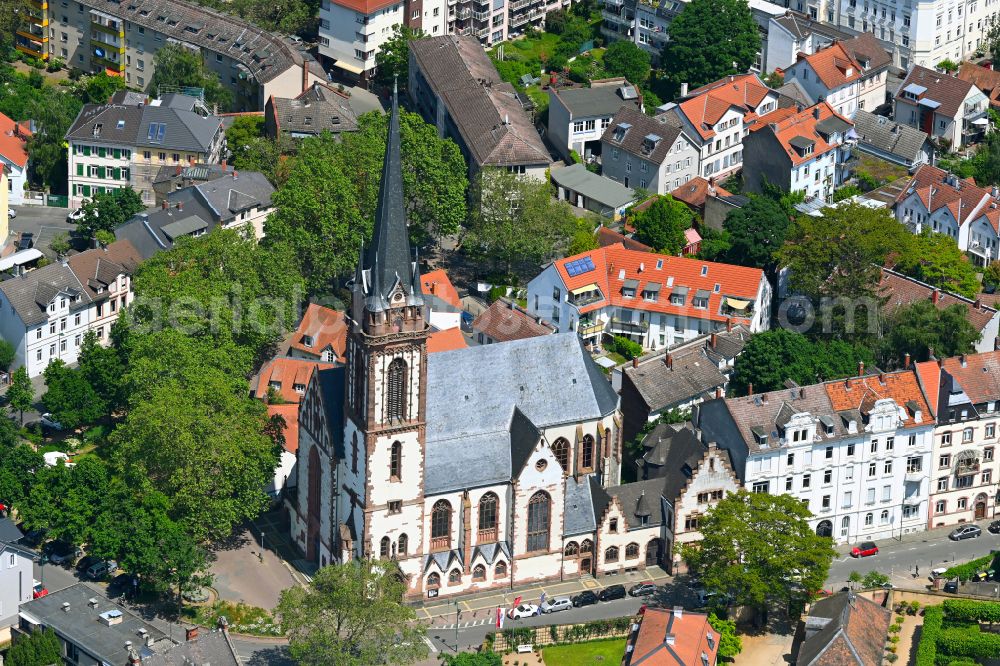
{"x": 669, "y": 360}
{"x": 881, "y": 378}
{"x": 92, "y": 602}
{"x": 668, "y": 639}
{"x": 712, "y": 339}
{"x": 178, "y": 170}
{"x": 180, "y": 205}
{"x": 729, "y": 324}
{"x": 978, "y": 304}
{"x": 940, "y": 362}
{"x": 964, "y": 361}
{"x": 906, "y": 361}
{"x": 305, "y": 77}
{"x": 678, "y": 612}
{"x": 635, "y": 362}
{"x": 750, "y": 388}
{"x": 133, "y": 658}
{"x": 718, "y": 393}
{"x": 684, "y": 89}
{"x": 816, "y": 112}
{"x": 164, "y": 205}
{"x": 191, "y": 633}
{"x": 236, "y": 174}
{"x": 861, "y": 368}
{"x": 65, "y": 606}
{"x": 847, "y": 384}
{"x": 224, "y": 164}
{"x": 936, "y": 296}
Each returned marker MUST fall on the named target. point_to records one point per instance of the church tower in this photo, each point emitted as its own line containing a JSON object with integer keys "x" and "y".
{"x": 386, "y": 381}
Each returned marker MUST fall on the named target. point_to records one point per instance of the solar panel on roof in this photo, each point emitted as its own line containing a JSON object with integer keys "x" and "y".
{"x": 579, "y": 266}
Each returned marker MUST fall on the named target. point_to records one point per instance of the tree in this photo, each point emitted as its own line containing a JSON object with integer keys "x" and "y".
{"x": 555, "y": 21}
{"x": 18, "y": 464}
{"x": 730, "y": 643}
{"x": 991, "y": 275}
{"x": 584, "y": 238}
{"x": 916, "y": 328}
{"x": 625, "y": 58}
{"x": 21, "y": 393}
{"x": 270, "y": 157}
{"x": 103, "y": 368}
{"x": 662, "y": 225}
{"x": 60, "y": 244}
{"x": 12, "y": 14}
{"x": 488, "y": 658}
{"x": 106, "y": 211}
{"x": 715, "y": 243}
{"x": 936, "y": 259}
{"x": 854, "y": 578}
{"x": 351, "y": 615}
{"x": 759, "y": 548}
{"x": 991, "y": 41}
{"x": 71, "y": 399}
{"x": 514, "y": 220}
{"x": 287, "y": 16}
{"x": 710, "y": 39}
{"x": 66, "y": 500}
{"x": 239, "y": 135}
{"x": 174, "y": 65}
{"x": 53, "y": 112}
{"x": 771, "y": 357}
{"x": 39, "y": 648}
{"x": 392, "y": 60}
{"x": 7, "y": 354}
{"x": 874, "y": 579}
{"x": 98, "y": 88}
{"x": 756, "y": 231}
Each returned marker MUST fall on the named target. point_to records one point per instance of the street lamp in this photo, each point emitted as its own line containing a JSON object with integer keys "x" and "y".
{"x": 458, "y": 616}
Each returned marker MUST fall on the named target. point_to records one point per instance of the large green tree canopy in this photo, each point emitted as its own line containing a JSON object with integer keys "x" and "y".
{"x": 662, "y": 225}
{"x": 175, "y": 65}
{"x": 710, "y": 39}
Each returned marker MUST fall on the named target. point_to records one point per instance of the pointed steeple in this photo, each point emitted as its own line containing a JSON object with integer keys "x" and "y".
{"x": 387, "y": 262}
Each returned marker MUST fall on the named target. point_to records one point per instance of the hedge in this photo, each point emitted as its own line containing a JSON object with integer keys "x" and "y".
{"x": 966, "y": 571}
{"x": 967, "y": 610}
{"x": 626, "y": 347}
{"x": 969, "y": 642}
{"x": 927, "y": 649}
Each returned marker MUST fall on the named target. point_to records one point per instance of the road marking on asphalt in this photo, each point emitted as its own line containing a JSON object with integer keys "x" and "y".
{"x": 430, "y": 644}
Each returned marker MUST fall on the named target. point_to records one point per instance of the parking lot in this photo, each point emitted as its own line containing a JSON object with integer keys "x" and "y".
{"x": 44, "y": 222}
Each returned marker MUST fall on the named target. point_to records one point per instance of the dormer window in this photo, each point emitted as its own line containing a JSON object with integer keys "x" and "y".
{"x": 759, "y": 435}
{"x": 649, "y": 143}
{"x": 620, "y": 132}
{"x": 97, "y": 129}
{"x": 629, "y": 287}
{"x": 802, "y": 145}
{"x": 299, "y": 388}
{"x": 678, "y": 296}
{"x": 274, "y": 385}
{"x": 307, "y": 341}
{"x": 701, "y": 298}
{"x": 651, "y": 292}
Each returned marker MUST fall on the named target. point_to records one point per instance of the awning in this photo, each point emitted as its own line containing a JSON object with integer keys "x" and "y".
{"x": 583, "y": 290}
{"x": 929, "y": 103}
{"x": 631, "y": 284}
{"x": 652, "y": 287}
{"x": 702, "y": 293}
{"x": 354, "y": 69}
{"x": 736, "y": 303}
{"x": 982, "y": 122}
{"x": 19, "y": 258}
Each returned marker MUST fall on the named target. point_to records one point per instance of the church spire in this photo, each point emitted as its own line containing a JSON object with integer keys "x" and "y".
{"x": 388, "y": 261}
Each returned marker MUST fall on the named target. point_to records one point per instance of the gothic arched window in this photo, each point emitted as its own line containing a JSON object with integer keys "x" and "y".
{"x": 396, "y": 461}
{"x": 479, "y": 573}
{"x": 572, "y": 549}
{"x": 434, "y": 581}
{"x": 395, "y": 394}
{"x": 588, "y": 451}
{"x": 586, "y": 547}
{"x": 632, "y": 551}
{"x": 611, "y": 554}
{"x": 441, "y": 520}
{"x": 560, "y": 449}
{"x": 359, "y": 379}
{"x": 401, "y": 544}
{"x": 383, "y": 550}
{"x": 455, "y": 577}
{"x": 538, "y": 522}
{"x": 488, "y": 504}
{"x": 500, "y": 570}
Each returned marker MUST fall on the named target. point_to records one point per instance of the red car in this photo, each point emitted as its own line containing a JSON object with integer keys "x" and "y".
{"x": 865, "y": 549}
{"x": 38, "y": 590}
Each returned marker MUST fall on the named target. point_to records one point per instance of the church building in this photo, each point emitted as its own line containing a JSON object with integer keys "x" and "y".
{"x": 477, "y": 468}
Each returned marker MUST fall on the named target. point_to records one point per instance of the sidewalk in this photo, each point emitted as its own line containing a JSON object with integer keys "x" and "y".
{"x": 478, "y": 608}
{"x": 917, "y": 537}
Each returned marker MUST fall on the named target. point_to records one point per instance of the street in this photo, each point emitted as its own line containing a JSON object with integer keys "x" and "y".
{"x": 45, "y": 222}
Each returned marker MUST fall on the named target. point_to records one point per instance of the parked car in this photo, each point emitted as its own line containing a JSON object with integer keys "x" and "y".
{"x": 994, "y": 527}
{"x": 60, "y": 552}
{"x": 11, "y": 213}
{"x": 34, "y": 538}
{"x": 965, "y": 532}
{"x": 78, "y": 215}
{"x": 38, "y": 590}
{"x": 86, "y": 562}
{"x": 612, "y": 593}
{"x": 100, "y": 569}
{"x": 555, "y": 605}
{"x": 27, "y": 241}
{"x": 951, "y": 586}
{"x": 585, "y": 598}
{"x": 642, "y": 589}
{"x": 864, "y": 549}
{"x": 49, "y": 421}
{"x": 524, "y": 610}
{"x": 706, "y": 598}
{"x": 120, "y": 585}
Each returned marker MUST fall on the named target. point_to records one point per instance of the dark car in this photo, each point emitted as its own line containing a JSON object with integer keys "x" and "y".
{"x": 60, "y": 552}
{"x": 27, "y": 241}
{"x": 585, "y": 599}
{"x": 994, "y": 527}
{"x": 120, "y": 585}
{"x": 864, "y": 549}
{"x": 85, "y": 563}
{"x": 965, "y": 532}
{"x": 951, "y": 586}
{"x": 34, "y": 538}
{"x": 642, "y": 589}
{"x": 612, "y": 593}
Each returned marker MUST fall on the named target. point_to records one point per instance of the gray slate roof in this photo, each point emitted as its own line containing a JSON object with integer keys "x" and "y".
{"x": 598, "y": 100}
{"x": 474, "y": 434}
{"x": 212, "y": 648}
{"x": 227, "y": 196}
{"x": 187, "y": 129}
{"x": 145, "y": 231}
{"x": 314, "y": 111}
{"x": 887, "y": 136}
{"x": 642, "y": 125}
{"x": 579, "y": 514}
{"x": 9, "y": 533}
{"x": 31, "y": 293}
{"x": 597, "y": 188}
{"x": 484, "y": 108}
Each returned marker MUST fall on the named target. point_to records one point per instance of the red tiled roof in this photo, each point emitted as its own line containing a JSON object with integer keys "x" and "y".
{"x": 13, "y": 141}
{"x": 364, "y": 6}
{"x": 705, "y": 106}
{"x": 787, "y": 127}
{"x": 948, "y": 91}
{"x": 326, "y": 327}
{"x": 606, "y": 237}
{"x": 987, "y": 80}
{"x": 901, "y": 386}
{"x": 446, "y": 340}
{"x": 614, "y": 264}
{"x": 504, "y": 322}
{"x": 901, "y": 290}
{"x": 935, "y": 192}
{"x": 929, "y": 374}
{"x": 979, "y": 376}
{"x": 690, "y": 633}
{"x": 694, "y": 192}
{"x": 438, "y": 284}
{"x": 834, "y": 66}
{"x": 289, "y": 373}
{"x": 291, "y": 415}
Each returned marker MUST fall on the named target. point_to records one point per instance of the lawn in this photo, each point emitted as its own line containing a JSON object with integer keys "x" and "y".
{"x": 594, "y": 653}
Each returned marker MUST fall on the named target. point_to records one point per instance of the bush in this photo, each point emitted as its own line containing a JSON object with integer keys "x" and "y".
{"x": 927, "y": 649}
{"x": 914, "y": 607}
{"x": 965, "y": 571}
{"x": 626, "y": 347}
{"x": 969, "y": 642}
{"x": 895, "y": 628}
{"x": 966, "y": 610}
{"x": 497, "y": 292}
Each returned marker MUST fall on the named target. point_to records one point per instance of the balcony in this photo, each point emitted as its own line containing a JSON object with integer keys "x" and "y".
{"x": 967, "y": 466}
{"x": 628, "y": 327}
{"x": 487, "y": 536}
{"x": 463, "y": 13}
{"x": 440, "y": 543}
{"x": 480, "y": 16}
{"x": 911, "y": 500}
{"x": 519, "y": 4}
{"x": 586, "y": 298}
{"x": 585, "y": 329}
{"x": 914, "y": 477}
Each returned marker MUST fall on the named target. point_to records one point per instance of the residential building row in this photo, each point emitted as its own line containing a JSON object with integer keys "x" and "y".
{"x": 47, "y": 311}
{"x": 122, "y": 38}
{"x": 125, "y": 142}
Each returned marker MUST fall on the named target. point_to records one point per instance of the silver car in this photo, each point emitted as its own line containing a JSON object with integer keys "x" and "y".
{"x": 556, "y": 605}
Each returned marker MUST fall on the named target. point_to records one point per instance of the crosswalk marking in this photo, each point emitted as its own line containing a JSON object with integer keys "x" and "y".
{"x": 464, "y": 625}
{"x": 430, "y": 644}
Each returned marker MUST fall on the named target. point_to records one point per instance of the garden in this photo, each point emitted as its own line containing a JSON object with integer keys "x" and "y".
{"x": 960, "y": 632}
{"x": 585, "y": 654}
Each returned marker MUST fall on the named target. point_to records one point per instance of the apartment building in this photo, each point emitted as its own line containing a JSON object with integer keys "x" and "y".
{"x": 717, "y": 116}
{"x": 14, "y": 158}
{"x": 121, "y": 38}
{"x": 50, "y": 309}
{"x": 856, "y": 452}
{"x": 793, "y": 33}
{"x": 964, "y": 394}
{"x": 849, "y": 76}
{"x": 578, "y": 117}
{"x": 125, "y": 143}
{"x": 946, "y": 107}
{"x": 804, "y": 151}
{"x": 352, "y": 31}
{"x": 653, "y": 299}
{"x": 650, "y": 153}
